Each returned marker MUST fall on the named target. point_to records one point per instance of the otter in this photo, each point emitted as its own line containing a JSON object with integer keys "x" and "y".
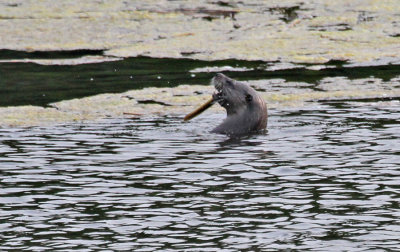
{"x": 246, "y": 110}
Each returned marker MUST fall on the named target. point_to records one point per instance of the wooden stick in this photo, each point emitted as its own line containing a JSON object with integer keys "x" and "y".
{"x": 199, "y": 110}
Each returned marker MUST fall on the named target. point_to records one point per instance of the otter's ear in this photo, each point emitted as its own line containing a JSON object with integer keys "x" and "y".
{"x": 249, "y": 98}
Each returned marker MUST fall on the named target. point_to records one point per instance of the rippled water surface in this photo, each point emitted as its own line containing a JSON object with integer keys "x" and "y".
{"x": 325, "y": 177}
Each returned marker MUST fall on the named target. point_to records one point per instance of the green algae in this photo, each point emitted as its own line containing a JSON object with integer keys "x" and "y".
{"x": 87, "y": 92}
{"x": 70, "y": 61}
{"x": 290, "y": 33}
{"x": 287, "y": 30}
{"x": 183, "y": 99}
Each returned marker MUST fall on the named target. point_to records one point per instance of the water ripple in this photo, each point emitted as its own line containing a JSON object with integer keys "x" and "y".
{"x": 321, "y": 178}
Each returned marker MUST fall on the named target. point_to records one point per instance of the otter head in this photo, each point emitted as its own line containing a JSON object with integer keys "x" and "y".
{"x": 246, "y": 110}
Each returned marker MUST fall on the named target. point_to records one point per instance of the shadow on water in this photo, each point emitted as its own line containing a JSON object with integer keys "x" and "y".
{"x": 34, "y": 84}
{"x": 242, "y": 140}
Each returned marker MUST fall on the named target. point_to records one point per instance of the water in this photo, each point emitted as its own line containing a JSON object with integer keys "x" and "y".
{"x": 324, "y": 178}
{"x": 33, "y": 84}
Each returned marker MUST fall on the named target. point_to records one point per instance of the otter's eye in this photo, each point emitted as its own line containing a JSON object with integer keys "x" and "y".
{"x": 229, "y": 82}
{"x": 249, "y": 98}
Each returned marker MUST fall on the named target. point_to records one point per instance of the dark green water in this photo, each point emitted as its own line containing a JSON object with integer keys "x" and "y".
{"x": 34, "y": 84}
{"x": 324, "y": 178}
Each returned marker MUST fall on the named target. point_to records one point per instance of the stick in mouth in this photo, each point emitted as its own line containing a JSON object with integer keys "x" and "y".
{"x": 200, "y": 109}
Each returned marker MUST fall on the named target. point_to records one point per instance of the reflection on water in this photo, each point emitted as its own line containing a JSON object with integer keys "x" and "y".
{"x": 322, "y": 178}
